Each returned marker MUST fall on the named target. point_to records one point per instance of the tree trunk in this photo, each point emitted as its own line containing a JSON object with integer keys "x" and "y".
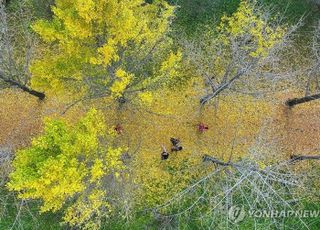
{"x": 32, "y": 92}
{"x": 296, "y": 101}
{"x": 26, "y": 89}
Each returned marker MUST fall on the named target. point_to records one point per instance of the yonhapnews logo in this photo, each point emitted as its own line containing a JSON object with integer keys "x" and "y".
{"x": 238, "y": 213}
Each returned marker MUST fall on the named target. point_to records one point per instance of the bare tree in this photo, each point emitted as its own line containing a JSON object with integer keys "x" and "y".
{"x": 211, "y": 199}
{"x": 230, "y": 60}
{"x": 17, "y": 47}
{"x": 312, "y": 88}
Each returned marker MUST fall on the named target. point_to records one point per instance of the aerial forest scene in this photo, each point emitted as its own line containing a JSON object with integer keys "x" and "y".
{"x": 159, "y": 114}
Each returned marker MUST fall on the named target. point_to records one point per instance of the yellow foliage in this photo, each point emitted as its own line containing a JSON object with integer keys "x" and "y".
{"x": 89, "y": 218}
{"x": 146, "y": 98}
{"x": 89, "y": 42}
{"x": 68, "y": 162}
{"x": 170, "y": 65}
{"x": 123, "y": 80}
{"x": 233, "y": 126}
{"x": 247, "y": 23}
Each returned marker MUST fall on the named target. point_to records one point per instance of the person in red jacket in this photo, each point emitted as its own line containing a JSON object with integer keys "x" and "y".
{"x": 202, "y": 127}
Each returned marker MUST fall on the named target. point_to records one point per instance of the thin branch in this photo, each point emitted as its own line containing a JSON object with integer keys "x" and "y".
{"x": 216, "y": 161}
{"x": 295, "y": 158}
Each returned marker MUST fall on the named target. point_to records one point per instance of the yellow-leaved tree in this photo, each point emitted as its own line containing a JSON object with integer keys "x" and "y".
{"x": 241, "y": 52}
{"x": 105, "y": 48}
{"x": 67, "y": 169}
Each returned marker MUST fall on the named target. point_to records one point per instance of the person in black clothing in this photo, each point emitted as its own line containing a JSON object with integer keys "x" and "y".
{"x": 164, "y": 154}
{"x": 176, "y": 145}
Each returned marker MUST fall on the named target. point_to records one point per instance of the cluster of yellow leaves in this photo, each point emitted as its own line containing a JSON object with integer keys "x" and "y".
{"x": 67, "y": 161}
{"x": 90, "y": 218}
{"x": 123, "y": 80}
{"x": 92, "y": 42}
{"x": 146, "y": 98}
{"x": 247, "y": 24}
{"x": 170, "y": 69}
{"x": 171, "y": 65}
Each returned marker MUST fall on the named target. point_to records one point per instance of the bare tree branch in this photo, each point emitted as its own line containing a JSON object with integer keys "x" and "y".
{"x": 296, "y": 101}
{"x": 16, "y": 50}
{"x": 295, "y": 158}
